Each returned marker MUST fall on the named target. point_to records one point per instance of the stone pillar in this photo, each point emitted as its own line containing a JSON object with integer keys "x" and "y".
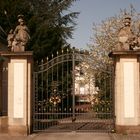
{"x": 127, "y": 91}
{"x": 19, "y": 92}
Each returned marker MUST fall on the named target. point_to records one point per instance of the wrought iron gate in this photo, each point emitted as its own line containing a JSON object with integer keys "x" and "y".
{"x": 69, "y": 97}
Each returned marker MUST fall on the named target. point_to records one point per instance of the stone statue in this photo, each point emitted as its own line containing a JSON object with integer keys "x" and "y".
{"x": 127, "y": 39}
{"x": 18, "y": 40}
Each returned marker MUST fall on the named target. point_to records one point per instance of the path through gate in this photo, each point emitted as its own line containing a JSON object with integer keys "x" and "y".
{"x": 69, "y": 97}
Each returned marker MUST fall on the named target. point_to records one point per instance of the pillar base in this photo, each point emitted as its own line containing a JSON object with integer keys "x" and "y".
{"x": 128, "y": 129}
{"x": 15, "y": 130}
{"x": 4, "y": 124}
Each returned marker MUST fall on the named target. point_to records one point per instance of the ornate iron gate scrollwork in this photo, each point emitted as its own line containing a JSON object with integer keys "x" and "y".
{"x": 68, "y": 97}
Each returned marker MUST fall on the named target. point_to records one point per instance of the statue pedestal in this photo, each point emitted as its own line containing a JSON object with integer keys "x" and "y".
{"x": 19, "y": 92}
{"x": 127, "y": 91}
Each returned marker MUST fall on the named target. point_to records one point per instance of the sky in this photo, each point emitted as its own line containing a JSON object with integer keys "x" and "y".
{"x": 94, "y": 11}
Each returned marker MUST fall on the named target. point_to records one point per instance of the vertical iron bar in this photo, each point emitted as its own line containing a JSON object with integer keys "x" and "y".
{"x": 111, "y": 90}
{"x": 37, "y": 93}
{"x": 62, "y": 80}
{"x": 78, "y": 76}
{"x": 52, "y": 86}
{"x": 73, "y": 85}
{"x": 105, "y": 98}
{"x": 42, "y": 100}
{"x": 35, "y": 102}
{"x": 67, "y": 91}
{"x": 47, "y": 97}
{"x": 57, "y": 79}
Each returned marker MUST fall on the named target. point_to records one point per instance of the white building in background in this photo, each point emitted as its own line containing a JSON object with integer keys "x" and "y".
{"x": 85, "y": 89}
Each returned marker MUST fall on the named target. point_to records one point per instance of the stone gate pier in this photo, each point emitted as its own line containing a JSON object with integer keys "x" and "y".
{"x": 127, "y": 91}
{"x": 18, "y": 119}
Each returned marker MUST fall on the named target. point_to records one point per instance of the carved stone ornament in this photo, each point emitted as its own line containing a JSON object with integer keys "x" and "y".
{"x": 18, "y": 38}
{"x": 127, "y": 39}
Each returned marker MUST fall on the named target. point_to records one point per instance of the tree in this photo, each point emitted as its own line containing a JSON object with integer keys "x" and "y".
{"x": 104, "y": 40}
{"x": 105, "y": 37}
{"x": 49, "y": 22}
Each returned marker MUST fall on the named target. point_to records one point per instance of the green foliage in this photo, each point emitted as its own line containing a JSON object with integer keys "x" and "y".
{"x": 49, "y": 23}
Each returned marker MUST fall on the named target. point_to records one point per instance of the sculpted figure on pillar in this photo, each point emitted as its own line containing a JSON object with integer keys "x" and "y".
{"x": 127, "y": 39}
{"x": 18, "y": 39}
